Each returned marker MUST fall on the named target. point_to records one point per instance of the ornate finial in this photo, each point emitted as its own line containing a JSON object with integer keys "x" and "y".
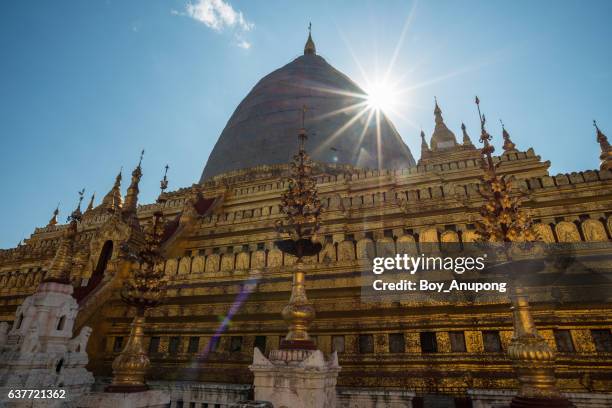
{"x": 442, "y": 137}
{"x": 509, "y": 146}
{"x": 119, "y": 177}
{"x": 424, "y": 145}
{"x": 437, "y": 111}
{"x": 309, "y": 48}
{"x": 602, "y": 139}
{"x": 300, "y": 202}
{"x": 53, "y": 220}
{"x": 466, "y": 138}
{"x": 302, "y": 135}
{"x": 76, "y": 214}
{"x": 59, "y": 270}
{"x": 90, "y": 206}
{"x": 131, "y": 198}
{"x": 163, "y": 184}
{"x": 488, "y": 149}
{"x": 113, "y": 201}
{"x": 606, "y": 149}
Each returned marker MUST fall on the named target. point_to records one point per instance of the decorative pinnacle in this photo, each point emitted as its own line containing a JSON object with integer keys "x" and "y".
{"x": 485, "y": 137}
{"x": 90, "y": 206}
{"x": 53, "y": 220}
{"x": 76, "y": 214}
{"x": 424, "y": 145}
{"x": 466, "y": 137}
{"x": 601, "y": 138}
{"x": 81, "y": 195}
{"x": 163, "y": 184}
{"x": 508, "y": 144}
{"x": 138, "y": 170}
{"x": 302, "y": 136}
{"x": 131, "y": 199}
{"x": 118, "y": 178}
{"x": 310, "y": 48}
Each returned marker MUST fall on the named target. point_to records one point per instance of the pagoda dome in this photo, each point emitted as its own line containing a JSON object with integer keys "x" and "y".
{"x": 263, "y": 128}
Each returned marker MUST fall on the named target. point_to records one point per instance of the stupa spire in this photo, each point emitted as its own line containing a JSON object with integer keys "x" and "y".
{"x": 438, "y": 112}
{"x": 309, "y": 48}
{"x": 59, "y": 270}
{"x": 90, "y": 206}
{"x": 606, "y": 149}
{"x": 113, "y": 201}
{"x": 53, "y": 220}
{"x": 466, "y": 138}
{"x": 424, "y": 146}
{"x": 131, "y": 197}
{"x": 442, "y": 137}
{"x": 508, "y": 146}
{"x": 163, "y": 185}
{"x": 76, "y": 214}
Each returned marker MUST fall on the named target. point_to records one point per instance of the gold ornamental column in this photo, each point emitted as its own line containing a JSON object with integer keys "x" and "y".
{"x": 302, "y": 209}
{"x": 144, "y": 288}
{"x": 532, "y": 356}
{"x": 130, "y": 367}
{"x": 299, "y": 312}
{"x": 504, "y": 222}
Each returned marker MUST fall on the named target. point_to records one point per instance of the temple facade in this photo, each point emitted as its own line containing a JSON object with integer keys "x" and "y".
{"x": 227, "y": 281}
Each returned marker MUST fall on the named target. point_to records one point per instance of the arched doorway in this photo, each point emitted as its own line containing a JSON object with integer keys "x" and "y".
{"x": 105, "y": 255}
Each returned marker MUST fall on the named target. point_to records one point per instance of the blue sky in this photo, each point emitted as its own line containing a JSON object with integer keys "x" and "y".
{"x": 86, "y": 85}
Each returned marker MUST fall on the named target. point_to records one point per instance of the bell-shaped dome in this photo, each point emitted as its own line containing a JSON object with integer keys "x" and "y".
{"x": 264, "y": 126}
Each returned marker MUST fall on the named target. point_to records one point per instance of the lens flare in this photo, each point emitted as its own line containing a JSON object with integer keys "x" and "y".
{"x": 381, "y": 96}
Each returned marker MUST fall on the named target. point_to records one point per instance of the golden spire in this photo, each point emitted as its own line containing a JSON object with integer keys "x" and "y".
{"x": 131, "y": 197}
{"x": 113, "y": 201}
{"x": 77, "y": 214}
{"x": 606, "y": 150}
{"x": 309, "y": 48}
{"x": 508, "y": 146}
{"x": 53, "y": 220}
{"x": 302, "y": 209}
{"x": 59, "y": 271}
{"x": 90, "y": 206}
{"x": 163, "y": 185}
{"x": 144, "y": 288}
{"x": 424, "y": 146}
{"x": 504, "y": 221}
{"x": 438, "y": 112}
{"x": 502, "y": 218}
{"x": 466, "y": 138}
{"x": 442, "y": 137}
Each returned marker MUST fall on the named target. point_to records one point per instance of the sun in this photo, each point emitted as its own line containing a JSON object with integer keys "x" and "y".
{"x": 381, "y": 96}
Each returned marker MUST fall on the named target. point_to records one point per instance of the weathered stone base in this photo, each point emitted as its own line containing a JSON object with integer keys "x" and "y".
{"x": 521, "y": 402}
{"x": 39, "y": 353}
{"x": 295, "y": 378}
{"x": 145, "y": 399}
{"x": 504, "y": 399}
{"x": 203, "y": 393}
{"x": 372, "y": 398}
